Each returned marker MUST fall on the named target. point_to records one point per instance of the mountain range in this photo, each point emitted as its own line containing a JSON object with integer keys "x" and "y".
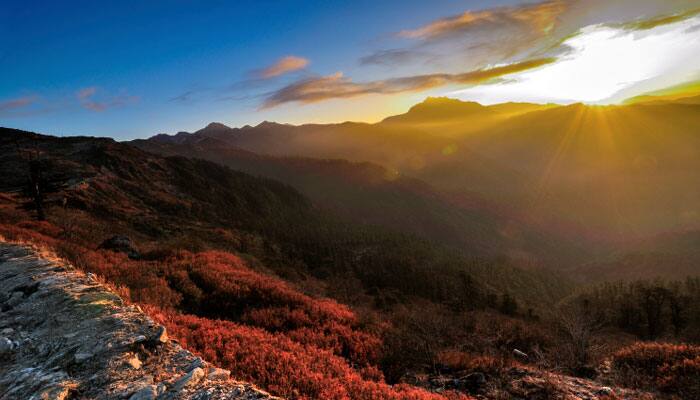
{"x": 562, "y": 184}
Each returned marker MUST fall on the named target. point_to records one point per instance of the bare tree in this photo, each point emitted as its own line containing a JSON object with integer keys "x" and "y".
{"x": 578, "y": 326}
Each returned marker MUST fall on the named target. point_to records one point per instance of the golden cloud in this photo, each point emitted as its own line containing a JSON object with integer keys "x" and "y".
{"x": 283, "y": 66}
{"x": 337, "y": 86}
{"x": 652, "y": 23}
{"x": 540, "y": 17}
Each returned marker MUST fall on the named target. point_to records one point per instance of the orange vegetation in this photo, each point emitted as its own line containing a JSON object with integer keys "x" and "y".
{"x": 256, "y": 325}
{"x": 672, "y": 368}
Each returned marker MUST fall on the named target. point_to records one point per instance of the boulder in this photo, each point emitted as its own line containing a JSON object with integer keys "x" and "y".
{"x": 121, "y": 244}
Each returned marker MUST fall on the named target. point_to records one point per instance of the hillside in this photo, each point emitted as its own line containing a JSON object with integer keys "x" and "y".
{"x": 252, "y": 261}
{"x": 601, "y": 175}
{"x": 157, "y": 199}
{"x": 112, "y": 350}
{"x": 246, "y": 271}
{"x": 370, "y": 194}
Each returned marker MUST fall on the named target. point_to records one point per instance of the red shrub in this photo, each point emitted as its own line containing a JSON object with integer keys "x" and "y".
{"x": 668, "y": 367}
{"x": 282, "y": 365}
{"x": 258, "y": 326}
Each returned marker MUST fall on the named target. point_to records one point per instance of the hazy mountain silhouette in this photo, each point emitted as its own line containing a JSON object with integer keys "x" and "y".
{"x": 367, "y": 193}
{"x": 610, "y": 172}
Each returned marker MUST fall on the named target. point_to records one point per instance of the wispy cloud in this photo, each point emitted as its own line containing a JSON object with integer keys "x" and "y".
{"x": 504, "y": 34}
{"x": 336, "y": 86}
{"x": 86, "y": 93}
{"x": 185, "y": 96}
{"x": 256, "y": 79}
{"x": 539, "y": 17}
{"x": 86, "y": 97}
{"x": 393, "y": 57}
{"x": 282, "y": 66}
{"x": 651, "y": 23}
{"x": 18, "y": 103}
{"x": 476, "y": 38}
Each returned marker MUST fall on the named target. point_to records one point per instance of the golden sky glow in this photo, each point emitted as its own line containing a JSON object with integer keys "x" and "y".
{"x": 553, "y": 51}
{"x": 606, "y": 64}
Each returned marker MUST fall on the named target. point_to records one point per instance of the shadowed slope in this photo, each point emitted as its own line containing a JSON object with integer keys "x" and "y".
{"x": 370, "y": 194}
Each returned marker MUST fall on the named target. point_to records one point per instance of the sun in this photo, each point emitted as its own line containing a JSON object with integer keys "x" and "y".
{"x": 604, "y": 64}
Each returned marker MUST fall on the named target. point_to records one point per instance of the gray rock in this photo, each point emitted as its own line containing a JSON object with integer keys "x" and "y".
{"x": 139, "y": 339}
{"x": 148, "y": 392}
{"x": 197, "y": 363}
{"x": 520, "y": 355}
{"x": 6, "y": 346}
{"x": 82, "y": 357}
{"x": 190, "y": 379}
{"x": 15, "y": 299}
{"x": 161, "y": 388}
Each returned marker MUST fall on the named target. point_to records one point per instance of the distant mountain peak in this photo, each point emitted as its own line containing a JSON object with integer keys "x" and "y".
{"x": 216, "y": 125}
{"x": 268, "y": 124}
{"x": 440, "y": 108}
{"x": 442, "y": 100}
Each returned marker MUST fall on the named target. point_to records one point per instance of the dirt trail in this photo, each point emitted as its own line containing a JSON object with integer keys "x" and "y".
{"x": 63, "y": 335}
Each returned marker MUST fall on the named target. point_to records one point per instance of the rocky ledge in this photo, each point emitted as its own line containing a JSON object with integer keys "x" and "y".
{"x": 63, "y": 335}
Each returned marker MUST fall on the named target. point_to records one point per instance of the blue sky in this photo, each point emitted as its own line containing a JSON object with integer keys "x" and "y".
{"x": 132, "y": 69}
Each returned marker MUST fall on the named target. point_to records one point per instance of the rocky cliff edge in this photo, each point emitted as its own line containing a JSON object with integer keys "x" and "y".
{"x": 63, "y": 335}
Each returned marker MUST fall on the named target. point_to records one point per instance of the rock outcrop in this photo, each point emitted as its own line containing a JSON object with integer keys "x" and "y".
{"x": 63, "y": 335}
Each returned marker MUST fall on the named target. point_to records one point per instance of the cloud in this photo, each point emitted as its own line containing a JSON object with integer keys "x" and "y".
{"x": 11, "y": 105}
{"x": 393, "y": 56}
{"x": 528, "y": 30}
{"x": 539, "y": 17}
{"x": 86, "y": 98}
{"x": 651, "y": 23}
{"x": 86, "y": 93}
{"x": 337, "y": 86}
{"x": 475, "y": 38}
{"x": 184, "y": 97}
{"x": 282, "y": 66}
